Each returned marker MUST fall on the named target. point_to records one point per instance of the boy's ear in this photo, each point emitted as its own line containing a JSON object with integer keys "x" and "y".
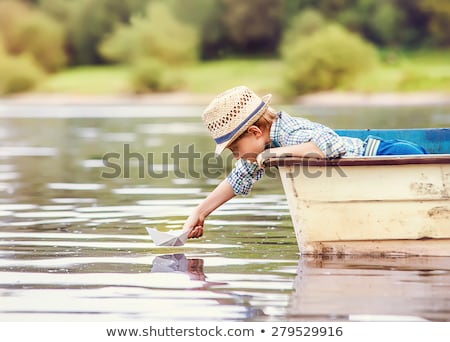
{"x": 255, "y": 130}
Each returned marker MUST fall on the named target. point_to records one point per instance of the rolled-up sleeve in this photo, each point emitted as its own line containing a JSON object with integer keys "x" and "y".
{"x": 243, "y": 176}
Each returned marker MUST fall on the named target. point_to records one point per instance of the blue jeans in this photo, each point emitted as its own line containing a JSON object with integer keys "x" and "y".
{"x": 395, "y": 147}
{"x": 399, "y": 147}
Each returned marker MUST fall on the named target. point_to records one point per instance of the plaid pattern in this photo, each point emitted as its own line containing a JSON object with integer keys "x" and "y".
{"x": 287, "y": 131}
{"x": 244, "y": 175}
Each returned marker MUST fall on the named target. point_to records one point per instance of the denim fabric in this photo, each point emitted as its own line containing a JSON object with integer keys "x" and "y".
{"x": 399, "y": 147}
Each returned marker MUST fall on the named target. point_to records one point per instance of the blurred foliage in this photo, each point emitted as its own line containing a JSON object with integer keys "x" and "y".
{"x": 253, "y": 26}
{"x": 153, "y": 44}
{"x": 58, "y": 33}
{"x": 304, "y": 24}
{"x": 44, "y": 38}
{"x": 152, "y": 75}
{"x": 326, "y": 58}
{"x": 233, "y": 27}
{"x": 156, "y": 35}
{"x": 262, "y": 75}
{"x": 18, "y": 73}
{"x": 439, "y": 22}
{"x": 398, "y": 23}
{"x": 205, "y": 15}
{"x": 91, "y": 21}
{"x": 26, "y": 30}
{"x": 61, "y": 10}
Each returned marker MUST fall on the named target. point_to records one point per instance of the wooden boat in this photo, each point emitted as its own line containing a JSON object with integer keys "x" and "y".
{"x": 372, "y": 205}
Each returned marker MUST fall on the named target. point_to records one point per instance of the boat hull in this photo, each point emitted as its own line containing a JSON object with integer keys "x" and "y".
{"x": 390, "y": 205}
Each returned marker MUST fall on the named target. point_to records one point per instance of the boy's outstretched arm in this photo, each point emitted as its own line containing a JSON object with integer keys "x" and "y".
{"x": 221, "y": 194}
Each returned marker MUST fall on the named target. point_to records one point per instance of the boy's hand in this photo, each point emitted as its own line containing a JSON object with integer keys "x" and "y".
{"x": 196, "y": 232}
{"x": 194, "y": 225}
{"x": 262, "y": 157}
{"x": 195, "y": 222}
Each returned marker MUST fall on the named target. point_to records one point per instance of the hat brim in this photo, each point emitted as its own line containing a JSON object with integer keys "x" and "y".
{"x": 221, "y": 147}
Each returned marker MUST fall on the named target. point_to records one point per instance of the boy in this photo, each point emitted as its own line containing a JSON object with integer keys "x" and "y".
{"x": 243, "y": 122}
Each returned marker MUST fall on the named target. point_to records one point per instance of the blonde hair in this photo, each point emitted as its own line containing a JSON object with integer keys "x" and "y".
{"x": 266, "y": 120}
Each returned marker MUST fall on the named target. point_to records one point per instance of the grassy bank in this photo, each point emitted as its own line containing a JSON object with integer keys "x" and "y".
{"x": 418, "y": 71}
{"x": 88, "y": 80}
{"x": 407, "y": 72}
{"x": 207, "y": 77}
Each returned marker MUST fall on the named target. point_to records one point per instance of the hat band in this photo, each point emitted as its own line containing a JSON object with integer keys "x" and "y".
{"x": 229, "y": 135}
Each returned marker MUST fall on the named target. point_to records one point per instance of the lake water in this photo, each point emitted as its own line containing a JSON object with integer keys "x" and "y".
{"x": 79, "y": 184}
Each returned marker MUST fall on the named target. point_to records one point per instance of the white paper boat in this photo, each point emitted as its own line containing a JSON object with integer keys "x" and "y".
{"x": 170, "y": 238}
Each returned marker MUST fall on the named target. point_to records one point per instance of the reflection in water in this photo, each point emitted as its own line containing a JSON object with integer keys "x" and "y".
{"x": 177, "y": 263}
{"x": 73, "y": 245}
{"x": 358, "y": 288}
{"x": 193, "y": 268}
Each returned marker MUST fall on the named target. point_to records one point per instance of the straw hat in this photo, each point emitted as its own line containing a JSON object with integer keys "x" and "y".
{"x": 231, "y": 113}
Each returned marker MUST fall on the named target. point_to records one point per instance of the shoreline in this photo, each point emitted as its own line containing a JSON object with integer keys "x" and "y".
{"x": 322, "y": 99}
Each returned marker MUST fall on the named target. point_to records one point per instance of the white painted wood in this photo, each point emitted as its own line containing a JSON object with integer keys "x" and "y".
{"x": 357, "y": 203}
{"x": 403, "y": 248}
{"x": 378, "y": 182}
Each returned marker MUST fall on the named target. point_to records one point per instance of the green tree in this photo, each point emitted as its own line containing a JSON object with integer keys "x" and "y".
{"x": 44, "y": 38}
{"x": 61, "y": 10}
{"x": 439, "y": 20}
{"x": 157, "y": 35}
{"x": 27, "y": 30}
{"x": 253, "y": 26}
{"x": 93, "y": 20}
{"x": 403, "y": 23}
{"x": 304, "y": 23}
{"x": 325, "y": 59}
{"x": 154, "y": 45}
{"x": 233, "y": 27}
{"x": 152, "y": 75}
{"x": 11, "y": 12}
{"x": 18, "y": 73}
{"x": 206, "y": 17}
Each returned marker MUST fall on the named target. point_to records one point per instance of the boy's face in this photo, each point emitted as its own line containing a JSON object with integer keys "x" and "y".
{"x": 249, "y": 144}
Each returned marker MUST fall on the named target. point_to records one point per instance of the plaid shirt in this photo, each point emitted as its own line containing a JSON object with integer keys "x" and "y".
{"x": 286, "y": 131}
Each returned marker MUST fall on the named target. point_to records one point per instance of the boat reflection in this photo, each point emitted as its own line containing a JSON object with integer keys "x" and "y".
{"x": 371, "y": 289}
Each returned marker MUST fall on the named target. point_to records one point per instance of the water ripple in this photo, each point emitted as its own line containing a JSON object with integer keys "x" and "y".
{"x": 75, "y": 186}
{"x": 27, "y": 151}
{"x": 73, "y": 245}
